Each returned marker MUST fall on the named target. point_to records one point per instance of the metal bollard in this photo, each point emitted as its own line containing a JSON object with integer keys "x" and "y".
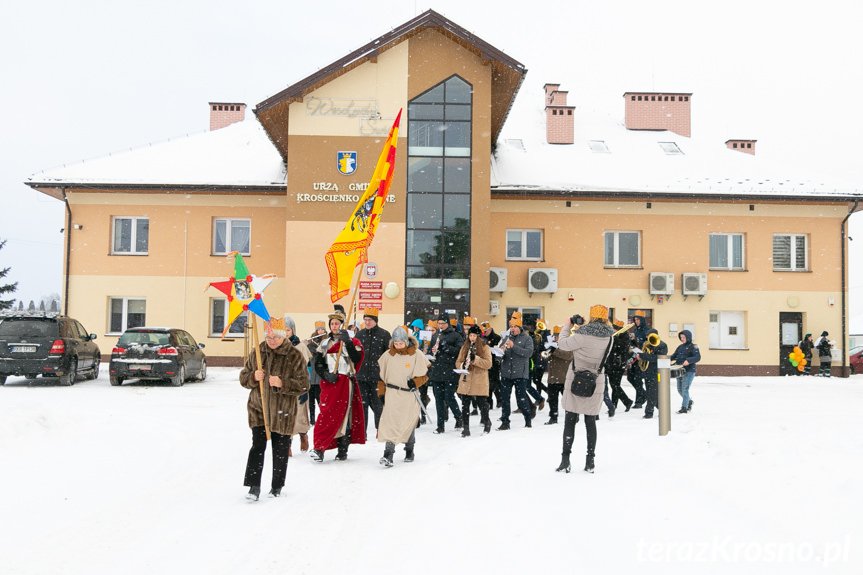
{"x": 664, "y": 388}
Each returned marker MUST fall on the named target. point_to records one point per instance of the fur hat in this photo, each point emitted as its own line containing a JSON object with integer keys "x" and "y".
{"x": 474, "y": 329}
{"x": 339, "y": 313}
{"x": 400, "y": 334}
{"x": 371, "y": 312}
{"x": 276, "y": 326}
{"x": 599, "y": 311}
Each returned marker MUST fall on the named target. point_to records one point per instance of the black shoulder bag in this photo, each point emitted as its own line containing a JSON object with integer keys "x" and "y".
{"x": 583, "y": 381}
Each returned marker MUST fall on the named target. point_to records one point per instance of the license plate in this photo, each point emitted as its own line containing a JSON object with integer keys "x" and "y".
{"x": 24, "y": 348}
{"x": 140, "y": 367}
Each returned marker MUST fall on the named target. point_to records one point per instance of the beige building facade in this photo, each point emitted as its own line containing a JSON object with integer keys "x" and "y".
{"x": 575, "y": 218}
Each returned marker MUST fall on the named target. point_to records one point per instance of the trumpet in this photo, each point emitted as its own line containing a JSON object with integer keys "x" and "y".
{"x": 652, "y": 342}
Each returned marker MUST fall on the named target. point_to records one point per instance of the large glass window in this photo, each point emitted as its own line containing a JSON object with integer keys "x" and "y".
{"x": 790, "y": 252}
{"x": 219, "y": 315}
{"x": 524, "y": 245}
{"x": 131, "y": 235}
{"x": 438, "y": 201}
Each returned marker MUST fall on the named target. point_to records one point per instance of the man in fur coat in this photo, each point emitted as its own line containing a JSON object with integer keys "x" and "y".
{"x": 403, "y": 369}
{"x": 340, "y": 422}
{"x": 282, "y": 377}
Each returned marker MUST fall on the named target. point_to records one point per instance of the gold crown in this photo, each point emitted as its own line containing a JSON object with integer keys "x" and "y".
{"x": 599, "y": 311}
{"x": 275, "y": 324}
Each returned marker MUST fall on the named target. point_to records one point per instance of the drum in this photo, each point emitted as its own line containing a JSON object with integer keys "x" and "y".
{"x": 677, "y": 371}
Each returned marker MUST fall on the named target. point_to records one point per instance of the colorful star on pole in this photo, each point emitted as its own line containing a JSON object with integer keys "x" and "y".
{"x": 244, "y": 291}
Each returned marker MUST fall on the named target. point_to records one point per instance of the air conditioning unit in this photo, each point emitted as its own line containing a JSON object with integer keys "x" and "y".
{"x": 497, "y": 279}
{"x": 694, "y": 284}
{"x": 542, "y": 280}
{"x": 661, "y": 283}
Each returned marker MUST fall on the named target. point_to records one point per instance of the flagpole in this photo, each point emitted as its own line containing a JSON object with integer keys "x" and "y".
{"x": 356, "y": 283}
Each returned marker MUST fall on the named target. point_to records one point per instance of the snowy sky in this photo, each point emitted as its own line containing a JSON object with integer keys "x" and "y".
{"x": 87, "y": 78}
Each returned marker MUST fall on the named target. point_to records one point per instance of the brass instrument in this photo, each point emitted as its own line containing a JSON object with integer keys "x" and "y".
{"x": 623, "y": 329}
{"x": 540, "y": 326}
{"x": 652, "y": 342}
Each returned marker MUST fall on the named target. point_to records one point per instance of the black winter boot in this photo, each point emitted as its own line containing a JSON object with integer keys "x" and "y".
{"x": 588, "y": 463}
{"x": 551, "y": 420}
{"x": 564, "y": 464}
{"x": 275, "y": 492}
{"x": 342, "y": 455}
{"x": 409, "y": 455}
{"x": 458, "y": 422}
{"x": 465, "y": 418}
{"x": 254, "y": 493}
{"x": 317, "y": 455}
{"x": 387, "y": 459}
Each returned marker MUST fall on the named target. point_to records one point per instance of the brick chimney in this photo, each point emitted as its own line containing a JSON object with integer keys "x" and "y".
{"x": 745, "y": 146}
{"x": 558, "y": 116}
{"x": 658, "y": 111}
{"x": 224, "y": 114}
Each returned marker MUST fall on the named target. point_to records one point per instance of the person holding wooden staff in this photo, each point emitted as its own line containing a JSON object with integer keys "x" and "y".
{"x": 274, "y": 385}
{"x": 341, "y": 420}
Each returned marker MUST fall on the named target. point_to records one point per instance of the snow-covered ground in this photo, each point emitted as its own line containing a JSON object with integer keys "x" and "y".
{"x": 764, "y": 476}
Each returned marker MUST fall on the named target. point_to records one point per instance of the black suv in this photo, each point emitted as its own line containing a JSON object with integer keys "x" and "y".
{"x": 157, "y": 353}
{"x": 51, "y": 346}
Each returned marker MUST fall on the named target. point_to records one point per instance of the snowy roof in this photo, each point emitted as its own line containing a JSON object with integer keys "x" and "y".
{"x": 239, "y": 155}
{"x": 607, "y": 158}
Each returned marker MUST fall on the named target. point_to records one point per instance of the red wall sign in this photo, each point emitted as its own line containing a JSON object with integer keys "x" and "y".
{"x": 371, "y": 295}
{"x": 366, "y": 304}
{"x": 371, "y": 285}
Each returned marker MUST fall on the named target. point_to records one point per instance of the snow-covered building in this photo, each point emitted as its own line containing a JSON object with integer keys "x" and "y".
{"x": 506, "y": 197}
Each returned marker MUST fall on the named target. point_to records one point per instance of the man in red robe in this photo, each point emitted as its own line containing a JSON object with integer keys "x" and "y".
{"x": 340, "y": 421}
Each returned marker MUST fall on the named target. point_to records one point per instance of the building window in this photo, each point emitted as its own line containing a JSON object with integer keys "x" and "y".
{"x": 726, "y": 251}
{"x": 126, "y": 313}
{"x": 231, "y": 235}
{"x": 790, "y": 252}
{"x": 524, "y": 245}
{"x": 671, "y": 148}
{"x": 727, "y": 330}
{"x": 622, "y": 249}
{"x": 131, "y": 235}
{"x": 528, "y": 315}
{"x": 218, "y": 317}
{"x": 437, "y": 263}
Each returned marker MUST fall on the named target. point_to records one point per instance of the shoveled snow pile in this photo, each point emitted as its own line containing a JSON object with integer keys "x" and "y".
{"x": 762, "y": 477}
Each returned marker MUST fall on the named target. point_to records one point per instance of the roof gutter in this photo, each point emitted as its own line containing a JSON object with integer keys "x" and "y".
{"x": 843, "y": 235}
{"x": 68, "y": 231}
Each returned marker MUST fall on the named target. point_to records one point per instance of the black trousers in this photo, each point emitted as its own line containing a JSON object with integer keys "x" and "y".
{"x": 369, "y": 393}
{"x": 494, "y": 388}
{"x": 314, "y": 397}
{"x": 465, "y": 409}
{"x": 255, "y": 464}
{"x": 555, "y": 390}
{"x": 617, "y": 393}
{"x": 651, "y": 382}
{"x": 569, "y": 432}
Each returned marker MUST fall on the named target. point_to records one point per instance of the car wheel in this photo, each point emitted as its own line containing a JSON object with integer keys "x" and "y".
{"x": 2, "y": 380}
{"x": 32, "y": 375}
{"x": 202, "y": 375}
{"x": 116, "y": 380}
{"x": 71, "y": 375}
{"x": 180, "y": 378}
{"x": 95, "y": 373}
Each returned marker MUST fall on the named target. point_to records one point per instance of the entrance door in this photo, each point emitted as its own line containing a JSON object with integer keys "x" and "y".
{"x": 790, "y": 334}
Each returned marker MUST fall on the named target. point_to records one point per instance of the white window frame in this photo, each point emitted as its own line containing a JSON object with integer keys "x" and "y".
{"x": 124, "y": 312}
{"x": 132, "y": 251}
{"x": 721, "y": 336}
{"x": 792, "y": 255}
{"x": 729, "y": 251}
{"x": 228, "y": 238}
{"x": 231, "y": 334}
{"x": 616, "y": 249}
{"x": 524, "y": 311}
{"x": 524, "y": 257}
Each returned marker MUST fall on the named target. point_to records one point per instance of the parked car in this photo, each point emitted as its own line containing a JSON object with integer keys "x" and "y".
{"x": 157, "y": 353}
{"x": 855, "y": 359}
{"x": 55, "y": 346}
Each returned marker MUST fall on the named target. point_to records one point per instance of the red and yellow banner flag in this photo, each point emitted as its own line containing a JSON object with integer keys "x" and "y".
{"x": 349, "y": 249}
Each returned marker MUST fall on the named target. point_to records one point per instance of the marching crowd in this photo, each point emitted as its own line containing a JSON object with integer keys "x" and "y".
{"x": 344, "y": 373}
